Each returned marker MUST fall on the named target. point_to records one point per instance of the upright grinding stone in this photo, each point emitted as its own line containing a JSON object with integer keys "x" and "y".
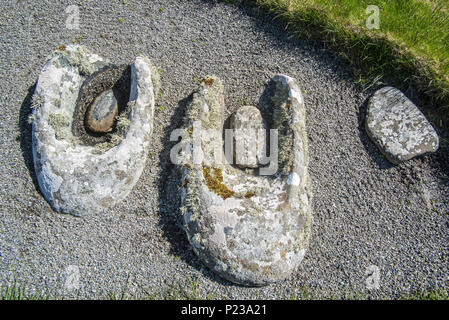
{"x": 398, "y": 127}
{"x": 102, "y": 112}
{"x": 249, "y": 134}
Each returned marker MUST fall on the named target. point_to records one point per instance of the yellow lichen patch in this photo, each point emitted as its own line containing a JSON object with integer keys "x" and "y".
{"x": 215, "y": 184}
{"x": 249, "y": 194}
{"x": 207, "y": 81}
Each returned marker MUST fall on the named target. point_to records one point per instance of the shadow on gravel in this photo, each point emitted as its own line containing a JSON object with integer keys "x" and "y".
{"x": 25, "y": 135}
{"x": 372, "y": 150}
{"x": 170, "y": 217}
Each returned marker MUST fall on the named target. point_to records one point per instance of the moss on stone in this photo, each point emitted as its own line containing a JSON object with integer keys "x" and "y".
{"x": 215, "y": 184}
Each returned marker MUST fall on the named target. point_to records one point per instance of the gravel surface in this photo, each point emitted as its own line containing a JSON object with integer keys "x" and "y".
{"x": 366, "y": 211}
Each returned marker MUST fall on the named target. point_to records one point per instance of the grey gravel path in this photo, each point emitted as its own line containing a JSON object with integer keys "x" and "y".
{"x": 367, "y": 212}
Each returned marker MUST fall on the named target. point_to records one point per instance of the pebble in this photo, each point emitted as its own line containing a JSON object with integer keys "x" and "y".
{"x": 102, "y": 112}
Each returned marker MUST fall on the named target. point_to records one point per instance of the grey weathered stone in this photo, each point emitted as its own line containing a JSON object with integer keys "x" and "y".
{"x": 398, "y": 127}
{"x": 102, "y": 112}
{"x": 248, "y": 127}
{"x": 250, "y": 229}
{"x": 74, "y": 177}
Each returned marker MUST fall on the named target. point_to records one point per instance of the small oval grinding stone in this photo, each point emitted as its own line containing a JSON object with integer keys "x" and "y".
{"x": 102, "y": 112}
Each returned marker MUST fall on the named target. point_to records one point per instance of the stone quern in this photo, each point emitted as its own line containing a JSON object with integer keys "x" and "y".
{"x": 398, "y": 128}
{"x": 77, "y": 175}
{"x": 248, "y": 228}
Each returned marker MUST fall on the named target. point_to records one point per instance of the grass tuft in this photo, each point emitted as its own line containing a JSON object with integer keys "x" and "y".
{"x": 15, "y": 292}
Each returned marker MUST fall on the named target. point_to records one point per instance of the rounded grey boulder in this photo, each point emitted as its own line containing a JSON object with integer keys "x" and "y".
{"x": 398, "y": 128}
{"x": 76, "y": 177}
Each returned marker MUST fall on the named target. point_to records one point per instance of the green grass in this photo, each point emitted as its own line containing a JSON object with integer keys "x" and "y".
{"x": 14, "y": 292}
{"x": 411, "y": 47}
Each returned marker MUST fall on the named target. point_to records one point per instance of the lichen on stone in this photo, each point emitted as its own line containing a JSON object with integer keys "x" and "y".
{"x": 281, "y": 116}
{"x": 249, "y": 194}
{"x": 212, "y": 98}
{"x": 193, "y": 109}
{"x": 31, "y": 118}
{"x": 155, "y": 76}
{"x": 282, "y": 113}
{"x": 78, "y": 57}
{"x": 57, "y": 102}
{"x": 36, "y": 101}
{"x": 215, "y": 184}
{"x": 123, "y": 124}
{"x": 60, "y": 122}
{"x": 237, "y": 238}
{"x": 192, "y": 201}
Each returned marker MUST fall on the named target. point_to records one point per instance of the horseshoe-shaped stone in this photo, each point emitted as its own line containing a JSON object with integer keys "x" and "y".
{"x": 80, "y": 171}
{"x": 248, "y": 228}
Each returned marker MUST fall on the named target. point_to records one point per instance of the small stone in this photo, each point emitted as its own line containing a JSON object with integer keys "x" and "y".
{"x": 102, "y": 112}
{"x": 398, "y": 127}
{"x": 249, "y": 134}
